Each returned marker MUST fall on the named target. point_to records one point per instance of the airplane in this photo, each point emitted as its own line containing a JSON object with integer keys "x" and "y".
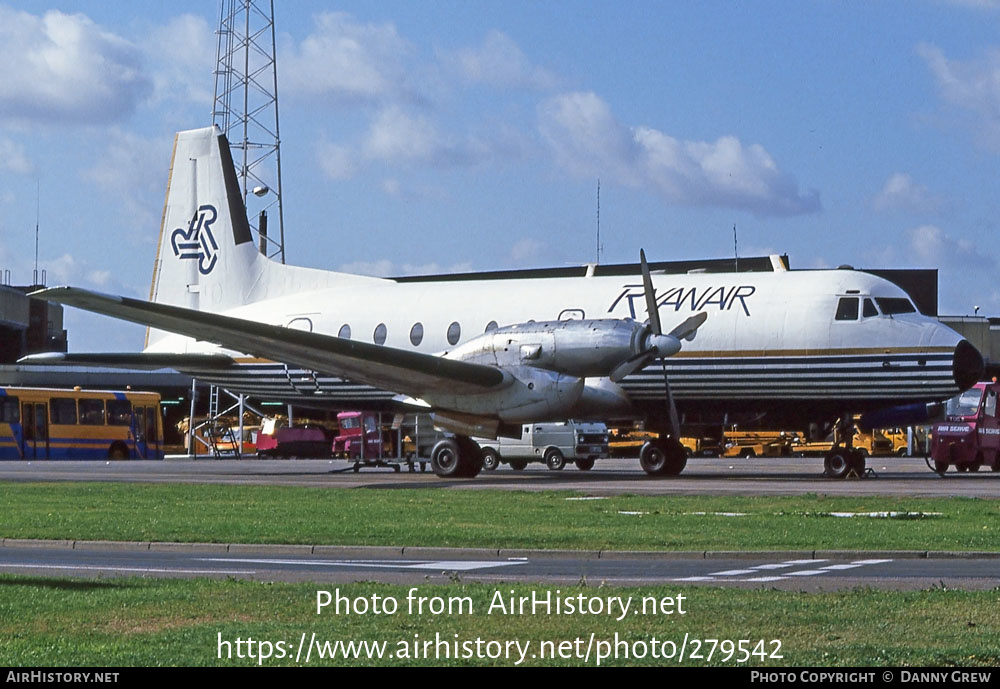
{"x": 487, "y": 352}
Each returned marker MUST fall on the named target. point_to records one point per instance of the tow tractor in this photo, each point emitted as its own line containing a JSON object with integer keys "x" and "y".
{"x": 969, "y": 436}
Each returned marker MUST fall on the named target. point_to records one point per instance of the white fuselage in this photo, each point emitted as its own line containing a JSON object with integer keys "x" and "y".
{"x": 768, "y": 336}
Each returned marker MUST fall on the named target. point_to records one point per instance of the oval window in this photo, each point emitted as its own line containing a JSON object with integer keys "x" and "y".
{"x": 345, "y": 331}
{"x": 379, "y": 335}
{"x": 492, "y": 325}
{"x": 454, "y": 333}
{"x": 416, "y": 334}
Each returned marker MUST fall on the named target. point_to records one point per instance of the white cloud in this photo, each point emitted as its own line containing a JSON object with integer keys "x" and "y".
{"x": 397, "y": 136}
{"x": 385, "y": 268}
{"x": 498, "y": 62}
{"x": 526, "y": 251}
{"x": 379, "y": 268}
{"x": 933, "y": 246}
{"x": 182, "y": 56}
{"x": 13, "y": 158}
{"x": 588, "y": 141}
{"x": 391, "y": 186}
{"x": 973, "y": 86}
{"x": 901, "y": 193}
{"x": 337, "y": 162}
{"x": 65, "y": 68}
{"x": 132, "y": 171}
{"x": 72, "y": 270}
{"x": 349, "y": 62}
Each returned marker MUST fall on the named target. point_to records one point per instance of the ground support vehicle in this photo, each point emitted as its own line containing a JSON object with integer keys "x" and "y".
{"x": 969, "y": 436}
{"x": 44, "y": 423}
{"x": 303, "y": 441}
{"x": 554, "y": 444}
{"x": 628, "y": 442}
{"x": 749, "y": 444}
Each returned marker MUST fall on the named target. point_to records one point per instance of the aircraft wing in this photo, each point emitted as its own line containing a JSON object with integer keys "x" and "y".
{"x": 388, "y": 368}
{"x": 138, "y": 360}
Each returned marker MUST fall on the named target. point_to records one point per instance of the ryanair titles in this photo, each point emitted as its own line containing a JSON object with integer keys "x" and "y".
{"x": 693, "y": 298}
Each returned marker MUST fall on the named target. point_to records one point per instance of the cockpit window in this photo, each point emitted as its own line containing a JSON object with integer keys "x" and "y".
{"x": 869, "y": 309}
{"x": 847, "y": 309}
{"x": 893, "y": 305}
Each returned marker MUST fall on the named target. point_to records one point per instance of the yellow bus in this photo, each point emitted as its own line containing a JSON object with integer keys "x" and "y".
{"x": 41, "y": 423}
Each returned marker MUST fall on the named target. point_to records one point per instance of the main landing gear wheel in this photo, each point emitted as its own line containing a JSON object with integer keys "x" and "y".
{"x": 840, "y": 462}
{"x": 662, "y": 457}
{"x": 585, "y": 464}
{"x": 458, "y": 457}
{"x": 554, "y": 460}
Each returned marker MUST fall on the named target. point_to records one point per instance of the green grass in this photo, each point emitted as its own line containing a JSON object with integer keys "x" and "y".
{"x": 491, "y": 519}
{"x": 150, "y": 622}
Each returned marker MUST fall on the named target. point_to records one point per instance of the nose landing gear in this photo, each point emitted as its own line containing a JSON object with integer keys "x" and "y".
{"x": 846, "y": 460}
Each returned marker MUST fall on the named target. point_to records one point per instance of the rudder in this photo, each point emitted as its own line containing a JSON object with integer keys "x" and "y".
{"x": 206, "y": 257}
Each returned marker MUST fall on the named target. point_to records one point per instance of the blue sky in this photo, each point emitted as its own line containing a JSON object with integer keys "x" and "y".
{"x": 441, "y": 136}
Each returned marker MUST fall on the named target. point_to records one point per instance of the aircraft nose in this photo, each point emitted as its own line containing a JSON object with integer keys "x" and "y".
{"x": 968, "y": 366}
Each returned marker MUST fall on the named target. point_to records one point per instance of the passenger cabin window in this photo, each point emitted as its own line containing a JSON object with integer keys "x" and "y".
{"x": 379, "y": 335}
{"x": 10, "y": 410}
{"x": 492, "y": 325}
{"x": 869, "y": 309}
{"x": 92, "y": 412}
{"x": 63, "y": 411}
{"x": 454, "y": 333}
{"x": 847, "y": 309}
{"x": 416, "y": 334}
{"x": 345, "y": 332}
{"x": 894, "y": 305}
{"x": 119, "y": 413}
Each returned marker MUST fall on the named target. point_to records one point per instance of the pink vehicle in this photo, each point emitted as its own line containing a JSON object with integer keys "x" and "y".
{"x": 969, "y": 437}
{"x": 349, "y": 445}
{"x": 298, "y": 441}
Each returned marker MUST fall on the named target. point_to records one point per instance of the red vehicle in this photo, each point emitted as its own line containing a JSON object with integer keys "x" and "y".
{"x": 298, "y": 441}
{"x": 349, "y": 444}
{"x": 969, "y": 437}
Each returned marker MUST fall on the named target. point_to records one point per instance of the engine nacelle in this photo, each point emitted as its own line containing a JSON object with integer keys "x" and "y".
{"x": 578, "y": 348}
{"x": 530, "y": 394}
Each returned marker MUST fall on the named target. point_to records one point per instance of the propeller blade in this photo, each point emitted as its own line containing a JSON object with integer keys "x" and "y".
{"x": 647, "y": 288}
{"x": 687, "y": 329}
{"x": 675, "y": 422}
{"x": 630, "y": 366}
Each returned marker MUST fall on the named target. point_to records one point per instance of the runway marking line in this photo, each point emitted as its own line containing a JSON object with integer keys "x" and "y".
{"x": 157, "y": 570}
{"x": 736, "y": 574}
{"x": 453, "y": 565}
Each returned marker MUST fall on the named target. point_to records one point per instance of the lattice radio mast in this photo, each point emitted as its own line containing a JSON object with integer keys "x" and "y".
{"x": 246, "y": 110}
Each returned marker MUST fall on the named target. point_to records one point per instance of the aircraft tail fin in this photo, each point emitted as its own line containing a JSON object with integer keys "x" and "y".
{"x": 207, "y": 259}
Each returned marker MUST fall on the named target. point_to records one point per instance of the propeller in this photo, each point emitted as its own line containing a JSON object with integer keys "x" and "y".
{"x": 658, "y": 345}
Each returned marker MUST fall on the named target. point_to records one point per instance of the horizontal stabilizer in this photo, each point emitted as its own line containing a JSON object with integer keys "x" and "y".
{"x": 402, "y": 371}
{"x": 136, "y": 360}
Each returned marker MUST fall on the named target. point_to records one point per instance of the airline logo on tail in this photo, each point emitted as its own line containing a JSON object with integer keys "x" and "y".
{"x": 198, "y": 242}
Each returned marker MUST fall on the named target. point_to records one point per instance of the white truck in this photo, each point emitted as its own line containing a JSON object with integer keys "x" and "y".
{"x": 555, "y": 444}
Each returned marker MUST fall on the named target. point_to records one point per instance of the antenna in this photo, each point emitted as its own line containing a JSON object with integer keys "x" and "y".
{"x": 736, "y": 249}
{"x": 38, "y": 184}
{"x": 599, "y": 247}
